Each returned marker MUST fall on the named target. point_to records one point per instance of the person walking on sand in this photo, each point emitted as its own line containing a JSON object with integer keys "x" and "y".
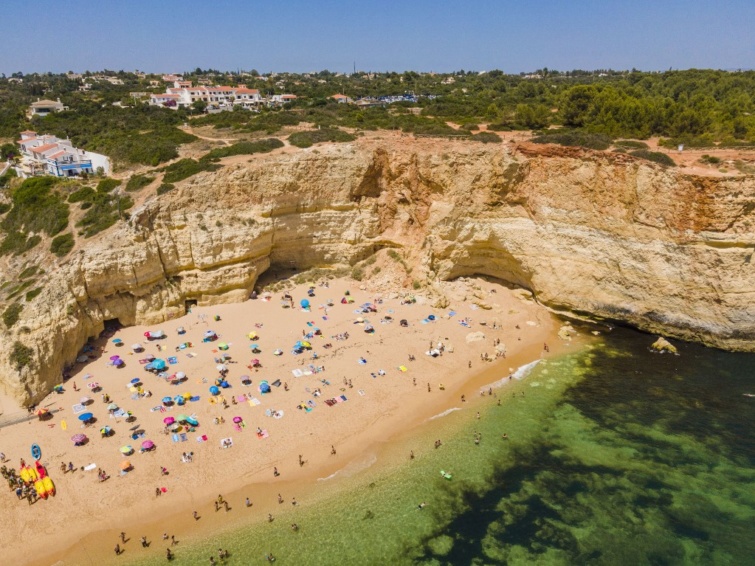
{"x": 248, "y": 503}
{"x": 196, "y": 516}
{"x": 118, "y": 550}
{"x": 168, "y": 554}
{"x": 123, "y": 537}
{"x": 332, "y": 450}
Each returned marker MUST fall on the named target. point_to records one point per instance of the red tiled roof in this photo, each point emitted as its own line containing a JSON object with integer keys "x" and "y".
{"x": 56, "y": 155}
{"x": 43, "y": 148}
{"x": 247, "y": 91}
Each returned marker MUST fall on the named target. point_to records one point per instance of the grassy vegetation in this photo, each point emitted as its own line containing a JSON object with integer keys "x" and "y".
{"x": 62, "y": 244}
{"x": 12, "y": 314}
{"x": 487, "y": 137}
{"x": 309, "y": 138}
{"x": 575, "y": 138}
{"x": 165, "y": 188}
{"x": 30, "y": 296}
{"x": 103, "y": 211}
{"x": 245, "y": 148}
{"x": 138, "y": 182}
{"x": 37, "y": 208}
{"x": 630, "y": 144}
{"x": 107, "y": 185}
{"x": 185, "y": 168}
{"x": 654, "y": 156}
{"x": 28, "y": 272}
{"x": 82, "y": 195}
{"x": 20, "y": 355}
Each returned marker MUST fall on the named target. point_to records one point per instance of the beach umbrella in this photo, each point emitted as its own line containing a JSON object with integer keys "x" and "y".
{"x": 159, "y": 364}
{"x": 187, "y": 396}
{"x": 222, "y": 346}
{"x": 192, "y": 421}
{"x": 119, "y": 363}
{"x": 181, "y": 330}
{"x": 135, "y": 381}
{"x": 237, "y": 419}
{"x": 137, "y": 347}
{"x": 44, "y": 414}
{"x": 169, "y": 420}
{"x": 125, "y": 465}
{"x": 180, "y": 375}
{"x": 256, "y": 362}
{"x": 84, "y": 400}
{"x": 304, "y": 303}
{"x": 78, "y": 438}
{"x": 220, "y": 367}
{"x": 148, "y": 445}
{"x": 174, "y": 427}
{"x": 117, "y": 341}
{"x": 252, "y": 335}
{"x": 278, "y": 352}
{"x": 105, "y": 430}
{"x": 126, "y": 449}
{"x": 133, "y": 389}
{"x": 112, "y": 407}
{"x": 86, "y": 417}
{"x": 255, "y": 348}
{"x": 167, "y": 400}
{"x": 180, "y": 418}
{"x": 214, "y": 390}
{"x": 306, "y": 344}
{"x": 113, "y": 358}
{"x": 209, "y": 333}
{"x": 179, "y": 399}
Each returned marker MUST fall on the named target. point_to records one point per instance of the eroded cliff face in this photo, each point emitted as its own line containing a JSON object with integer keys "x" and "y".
{"x": 590, "y": 232}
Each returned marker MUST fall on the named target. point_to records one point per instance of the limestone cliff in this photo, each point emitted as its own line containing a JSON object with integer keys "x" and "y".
{"x": 597, "y": 233}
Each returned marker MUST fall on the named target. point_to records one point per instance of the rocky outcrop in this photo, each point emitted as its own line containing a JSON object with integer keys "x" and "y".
{"x": 594, "y": 233}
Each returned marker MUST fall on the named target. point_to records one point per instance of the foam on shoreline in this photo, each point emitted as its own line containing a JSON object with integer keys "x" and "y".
{"x": 521, "y": 373}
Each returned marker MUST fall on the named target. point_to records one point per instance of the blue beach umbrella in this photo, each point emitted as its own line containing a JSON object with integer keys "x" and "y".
{"x": 159, "y": 364}
{"x": 179, "y": 400}
{"x": 86, "y": 417}
{"x": 214, "y": 390}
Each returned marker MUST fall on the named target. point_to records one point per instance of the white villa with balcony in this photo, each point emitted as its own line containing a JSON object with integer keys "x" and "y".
{"x": 49, "y": 155}
{"x": 184, "y": 94}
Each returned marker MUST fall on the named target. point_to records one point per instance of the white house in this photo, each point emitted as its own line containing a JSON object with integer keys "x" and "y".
{"x": 184, "y": 94}
{"x": 49, "y": 155}
{"x": 45, "y": 107}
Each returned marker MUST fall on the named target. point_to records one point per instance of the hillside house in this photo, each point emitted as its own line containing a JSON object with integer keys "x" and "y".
{"x": 49, "y": 155}
{"x": 45, "y": 107}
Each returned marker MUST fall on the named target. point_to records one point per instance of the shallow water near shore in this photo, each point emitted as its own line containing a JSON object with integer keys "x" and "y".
{"x": 614, "y": 456}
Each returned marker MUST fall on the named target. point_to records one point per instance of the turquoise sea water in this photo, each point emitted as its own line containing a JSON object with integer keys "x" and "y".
{"x": 614, "y": 456}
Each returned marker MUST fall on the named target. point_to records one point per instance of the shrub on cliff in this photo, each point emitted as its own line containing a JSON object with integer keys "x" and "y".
{"x": 311, "y": 137}
{"x": 20, "y": 355}
{"x": 654, "y": 156}
{"x": 185, "y": 168}
{"x": 12, "y": 314}
{"x": 62, "y": 244}
{"x": 245, "y": 148}
{"x": 165, "y": 188}
{"x": 138, "y": 182}
{"x": 107, "y": 185}
{"x": 37, "y": 208}
{"x": 575, "y": 138}
{"x": 105, "y": 210}
{"x": 486, "y": 137}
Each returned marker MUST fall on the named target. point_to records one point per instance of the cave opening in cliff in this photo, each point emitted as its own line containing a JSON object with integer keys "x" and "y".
{"x": 112, "y": 325}
{"x": 189, "y": 304}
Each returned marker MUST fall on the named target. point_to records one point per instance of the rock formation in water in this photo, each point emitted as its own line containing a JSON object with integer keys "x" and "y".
{"x": 594, "y": 233}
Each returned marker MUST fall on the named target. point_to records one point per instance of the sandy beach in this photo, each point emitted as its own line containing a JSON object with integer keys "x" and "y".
{"x": 341, "y": 395}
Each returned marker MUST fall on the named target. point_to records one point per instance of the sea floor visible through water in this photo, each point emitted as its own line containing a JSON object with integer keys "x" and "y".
{"x": 613, "y": 455}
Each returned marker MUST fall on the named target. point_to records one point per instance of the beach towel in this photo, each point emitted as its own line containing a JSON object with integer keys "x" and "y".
{"x": 451, "y": 313}
{"x": 343, "y": 398}
{"x": 194, "y": 398}
{"x": 173, "y": 360}
{"x": 144, "y": 361}
{"x": 268, "y": 413}
{"x": 226, "y": 443}
{"x": 277, "y": 383}
{"x": 90, "y": 467}
{"x": 174, "y": 437}
{"x": 183, "y": 437}
{"x": 402, "y": 368}
{"x": 237, "y": 427}
{"x": 78, "y": 409}
{"x": 311, "y": 403}
{"x": 361, "y": 392}
{"x": 297, "y": 372}
{"x": 254, "y": 402}
{"x": 202, "y": 438}
{"x": 240, "y": 398}
{"x": 339, "y": 399}
{"x": 155, "y": 409}
{"x": 263, "y": 434}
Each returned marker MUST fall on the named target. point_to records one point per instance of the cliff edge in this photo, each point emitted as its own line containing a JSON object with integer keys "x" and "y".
{"x": 595, "y": 233}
